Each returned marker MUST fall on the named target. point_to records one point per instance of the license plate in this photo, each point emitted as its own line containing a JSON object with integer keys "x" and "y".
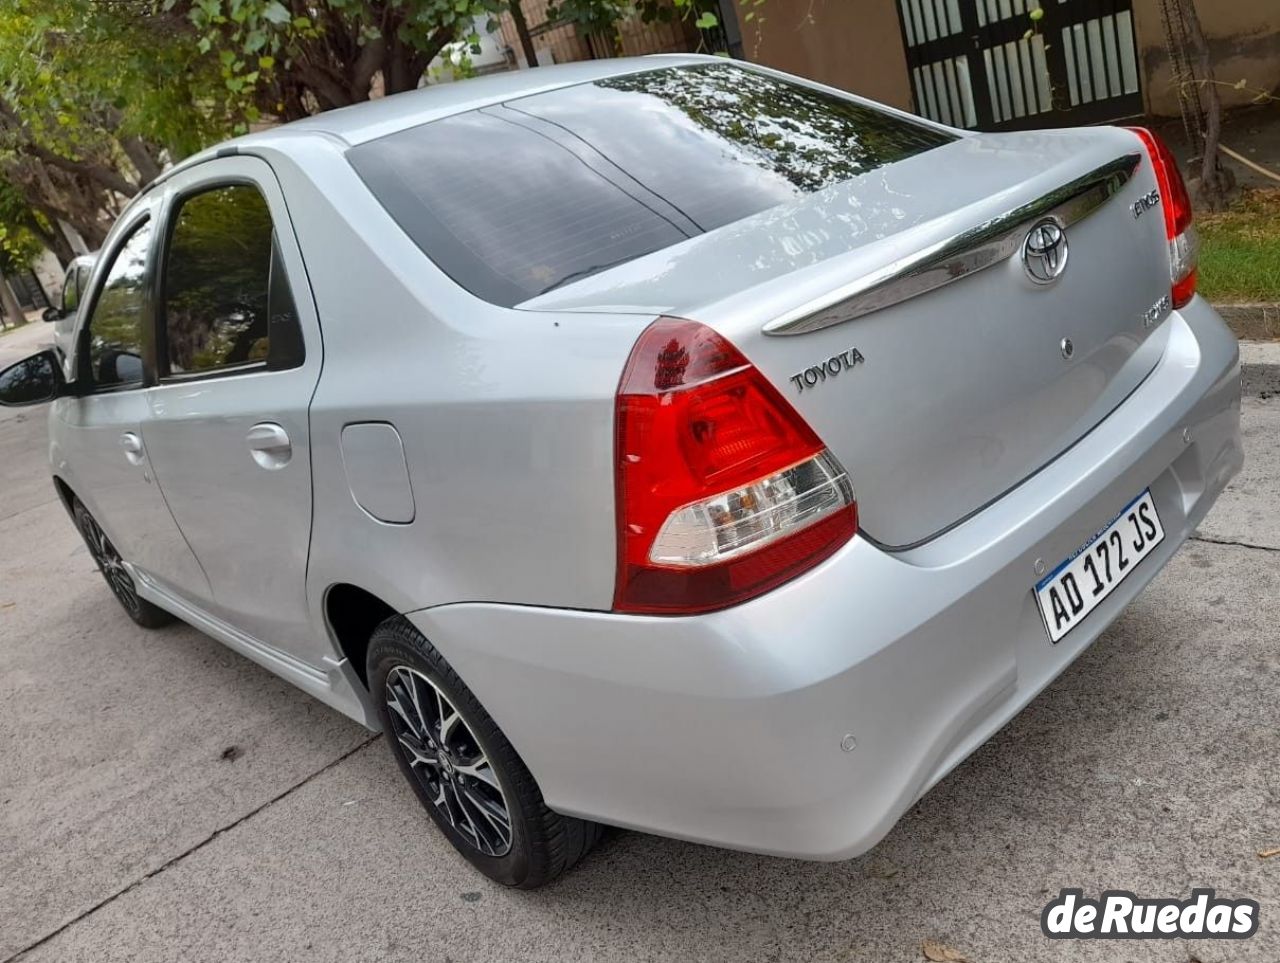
{"x": 1076, "y": 587}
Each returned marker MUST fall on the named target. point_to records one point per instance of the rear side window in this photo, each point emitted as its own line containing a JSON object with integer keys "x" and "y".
{"x": 513, "y": 201}
{"x": 226, "y": 301}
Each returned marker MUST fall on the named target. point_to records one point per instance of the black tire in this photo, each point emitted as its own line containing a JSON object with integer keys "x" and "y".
{"x": 542, "y": 844}
{"x": 118, "y": 580}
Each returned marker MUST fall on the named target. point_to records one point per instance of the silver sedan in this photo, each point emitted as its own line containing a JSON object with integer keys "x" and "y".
{"x": 666, "y": 443}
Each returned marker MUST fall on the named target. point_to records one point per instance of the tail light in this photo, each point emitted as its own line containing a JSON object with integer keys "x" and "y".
{"x": 1184, "y": 244}
{"x": 723, "y": 491}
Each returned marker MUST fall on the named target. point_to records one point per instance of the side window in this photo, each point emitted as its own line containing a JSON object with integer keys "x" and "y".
{"x": 71, "y": 291}
{"x": 115, "y": 327}
{"x": 227, "y": 301}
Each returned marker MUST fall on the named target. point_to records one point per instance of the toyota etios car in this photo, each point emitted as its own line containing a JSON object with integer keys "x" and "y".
{"x": 664, "y": 443}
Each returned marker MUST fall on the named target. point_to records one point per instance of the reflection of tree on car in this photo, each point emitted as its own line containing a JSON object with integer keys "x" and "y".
{"x": 115, "y": 339}
{"x": 811, "y": 139}
{"x": 31, "y": 380}
{"x": 216, "y": 300}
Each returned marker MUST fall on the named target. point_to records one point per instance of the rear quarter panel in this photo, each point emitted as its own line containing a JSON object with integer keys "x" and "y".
{"x": 506, "y": 417}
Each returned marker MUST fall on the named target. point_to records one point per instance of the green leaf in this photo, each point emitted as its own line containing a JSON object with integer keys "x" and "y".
{"x": 1036, "y": 15}
{"x": 276, "y": 12}
{"x": 266, "y": 63}
{"x": 708, "y": 21}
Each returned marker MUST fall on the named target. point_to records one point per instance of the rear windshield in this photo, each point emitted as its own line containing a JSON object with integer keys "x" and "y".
{"x": 517, "y": 199}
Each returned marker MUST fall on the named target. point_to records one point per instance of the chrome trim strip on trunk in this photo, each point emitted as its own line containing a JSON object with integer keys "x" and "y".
{"x": 950, "y": 260}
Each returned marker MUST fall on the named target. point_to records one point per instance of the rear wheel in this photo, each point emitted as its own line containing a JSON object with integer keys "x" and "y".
{"x": 112, "y": 568}
{"x": 465, "y": 772}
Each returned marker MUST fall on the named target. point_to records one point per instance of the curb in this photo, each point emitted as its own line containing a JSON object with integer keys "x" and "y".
{"x": 1260, "y": 368}
{"x": 1250, "y": 311}
{"x": 1259, "y": 360}
{"x": 1259, "y": 320}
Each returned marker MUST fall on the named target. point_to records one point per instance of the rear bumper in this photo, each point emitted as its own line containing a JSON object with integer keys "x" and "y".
{"x": 727, "y": 728}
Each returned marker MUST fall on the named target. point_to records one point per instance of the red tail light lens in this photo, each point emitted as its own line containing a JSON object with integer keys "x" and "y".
{"x": 723, "y": 491}
{"x": 1184, "y": 245}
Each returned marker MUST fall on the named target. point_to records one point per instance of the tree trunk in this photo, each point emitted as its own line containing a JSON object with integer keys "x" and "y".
{"x": 1214, "y": 183}
{"x": 403, "y": 66}
{"x": 143, "y": 159}
{"x": 522, "y": 31}
{"x": 85, "y": 223}
{"x": 12, "y": 309}
{"x": 329, "y": 94}
{"x": 54, "y": 240}
{"x": 366, "y": 65}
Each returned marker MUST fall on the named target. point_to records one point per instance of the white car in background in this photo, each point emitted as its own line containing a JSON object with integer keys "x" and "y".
{"x": 63, "y": 315}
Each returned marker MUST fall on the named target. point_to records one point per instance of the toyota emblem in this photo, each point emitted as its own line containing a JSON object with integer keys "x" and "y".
{"x": 1044, "y": 252}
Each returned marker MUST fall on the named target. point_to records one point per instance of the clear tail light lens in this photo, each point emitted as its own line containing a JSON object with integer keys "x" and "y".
{"x": 723, "y": 491}
{"x": 1184, "y": 243}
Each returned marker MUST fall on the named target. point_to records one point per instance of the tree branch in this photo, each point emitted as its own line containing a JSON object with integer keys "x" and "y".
{"x": 98, "y": 173}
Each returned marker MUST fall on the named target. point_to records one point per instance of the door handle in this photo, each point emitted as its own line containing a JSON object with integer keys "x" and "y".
{"x": 269, "y": 445}
{"x": 133, "y": 450}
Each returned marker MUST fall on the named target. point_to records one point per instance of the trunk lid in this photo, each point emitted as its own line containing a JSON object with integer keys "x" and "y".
{"x": 949, "y": 383}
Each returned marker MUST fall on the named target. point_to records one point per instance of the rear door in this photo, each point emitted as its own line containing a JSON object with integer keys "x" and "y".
{"x": 237, "y": 357}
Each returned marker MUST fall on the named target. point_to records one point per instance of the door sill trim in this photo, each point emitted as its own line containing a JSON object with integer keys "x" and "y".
{"x": 305, "y": 676}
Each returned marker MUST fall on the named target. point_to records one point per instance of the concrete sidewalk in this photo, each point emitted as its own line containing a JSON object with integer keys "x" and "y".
{"x": 164, "y": 799}
{"x": 17, "y": 343}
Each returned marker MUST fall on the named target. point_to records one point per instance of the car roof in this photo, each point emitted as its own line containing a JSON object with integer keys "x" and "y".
{"x": 376, "y": 118}
{"x": 372, "y": 119}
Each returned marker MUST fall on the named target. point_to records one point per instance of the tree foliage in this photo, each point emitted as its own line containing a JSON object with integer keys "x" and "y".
{"x": 98, "y": 96}
{"x": 290, "y": 58}
{"x": 601, "y": 16}
{"x": 95, "y": 99}
{"x": 23, "y": 232}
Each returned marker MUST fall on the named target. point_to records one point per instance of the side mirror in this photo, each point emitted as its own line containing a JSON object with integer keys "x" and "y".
{"x": 32, "y": 381}
{"x": 52, "y": 314}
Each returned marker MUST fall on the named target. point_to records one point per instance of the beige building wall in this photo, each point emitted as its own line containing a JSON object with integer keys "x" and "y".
{"x": 852, "y": 44}
{"x": 1244, "y": 44}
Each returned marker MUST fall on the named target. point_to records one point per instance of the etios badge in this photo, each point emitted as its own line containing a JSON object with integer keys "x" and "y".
{"x": 1044, "y": 252}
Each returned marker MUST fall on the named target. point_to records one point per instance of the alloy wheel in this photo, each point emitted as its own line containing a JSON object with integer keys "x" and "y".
{"x": 446, "y": 758}
{"x": 109, "y": 561}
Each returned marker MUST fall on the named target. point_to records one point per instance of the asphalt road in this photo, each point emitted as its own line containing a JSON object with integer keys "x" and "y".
{"x": 127, "y": 834}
